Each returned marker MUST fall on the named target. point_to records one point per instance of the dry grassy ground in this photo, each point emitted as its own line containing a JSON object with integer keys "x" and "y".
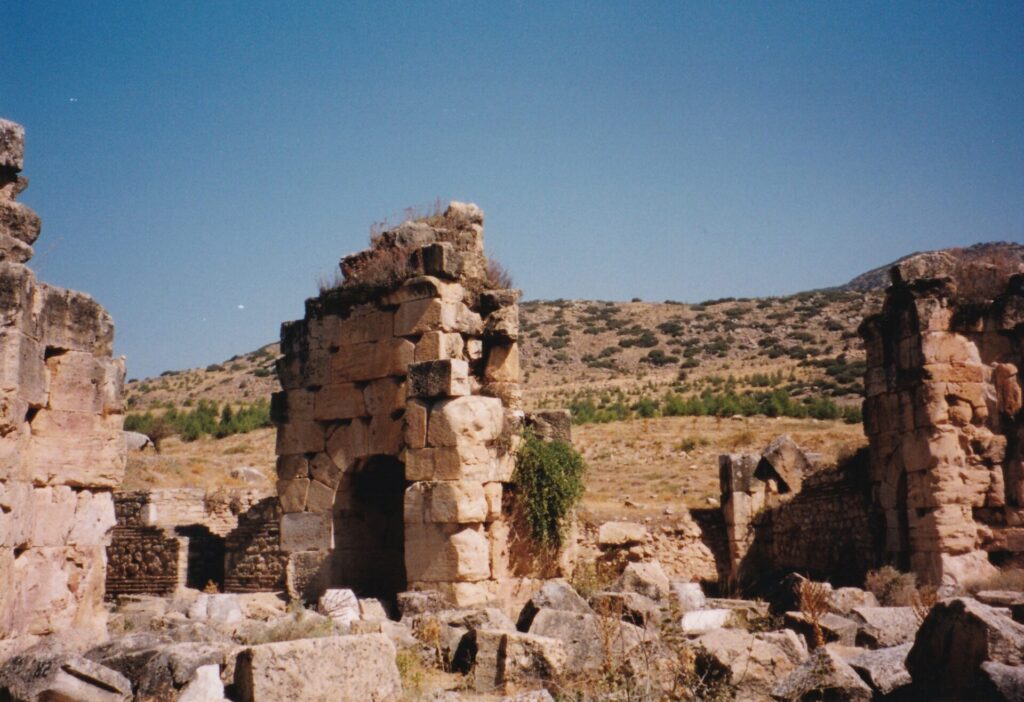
{"x": 673, "y": 461}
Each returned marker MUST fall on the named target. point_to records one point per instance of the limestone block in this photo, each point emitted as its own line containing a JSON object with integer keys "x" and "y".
{"x": 385, "y": 437}
{"x": 438, "y": 346}
{"x": 19, "y": 221}
{"x": 948, "y": 347}
{"x": 366, "y": 324}
{"x": 307, "y": 574}
{"x": 338, "y": 401}
{"x": 415, "y": 423}
{"x": 81, "y": 450}
{"x": 12, "y": 145}
{"x": 510, "y": 394}
{"x": 621, "y": 534}
{"x": 14, "y": 250}
{"x": 789, "y": 462}
{"x": 306, "y": 531}
{"x": 492, "y": 493}
{"x": 439, "y": 260}
{"x": 325, "y": 471}
{"x": 424, "y": 287}
{"x": 292, "y": 406}
{"x": 75, "y": 381}
{"x": 444, "y": 553}
{"x": 431, "y": 314}
{"x": 292, "y": 494}
{"x": 415, "y": 501}
{"x": 58, "y": 588}
{"x": 1008, "y": 388}
{"x": 469, "y": 322}
{"x": 22, "y": 370}
{"x": 384, "y": 396}
{"x": 551, "y": 425}
{"x": 73, "y": 321}
{"x": 457, "y": 502}
{"x": 498, "y": 536}
{"x": 472, "y": 462}
{"x": 348, "y": 443}
{"x": 46, "y": 672}
{"x": 371, "y": 360}
{"x": 449, "y": 378}
{"x": 320, "y": 497}
{"x": 300, "y": 437}
{"x": 357, "y": 668}
{"x": 292, "y": 466}
{"x": 503, "y": 363}
{"x": 503, "y": 324}
{"x": 954, "y": 373}
{"x": 513, "y": 658}
{"x": 466, "y": 420}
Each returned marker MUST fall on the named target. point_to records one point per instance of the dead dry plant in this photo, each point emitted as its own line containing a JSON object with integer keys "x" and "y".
{"x": 924, "y": 600}
{"x": 498, "y": 277}
{"x": 814, "y": 603}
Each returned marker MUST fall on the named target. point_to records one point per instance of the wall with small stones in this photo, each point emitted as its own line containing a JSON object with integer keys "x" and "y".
{"x": 396, "y": 423}
{"x": 943, "y": 418}
{"x": 254, "y": 561}
{"x": 62, "y": 451}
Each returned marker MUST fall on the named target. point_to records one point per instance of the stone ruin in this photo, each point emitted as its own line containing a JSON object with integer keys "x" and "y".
{"x": 398, "y": 419}
{"x": 943, "y": 417}
{"x": 172, "y": 538}
{"x": 62, "y": 452}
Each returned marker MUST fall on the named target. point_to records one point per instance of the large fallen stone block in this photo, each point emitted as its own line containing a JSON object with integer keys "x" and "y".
{"x": 688, "y": 596}
{"x": 834, "y": 629}
{"x": 884, "y": 669}
{"x": 621, "y": 534}
{"x": 884, "y": 627}
{"x": 515, "y": 659}
{"x": 340, "y": 604}
{"x": 591, "y": 642}
{"x": 954, "y": 640}
{"x": 786, "y": 462}
{"x": 629, "y": 607}
{"x": 755, "y": 661}
{"x": 554, "y": 594}
{"x": 359, "y": 668}
{"x": 647, "y": 579}
{"x": 158, "y": 668}
{"x": 826, "y": 675}
{"x": 42, "y": 673}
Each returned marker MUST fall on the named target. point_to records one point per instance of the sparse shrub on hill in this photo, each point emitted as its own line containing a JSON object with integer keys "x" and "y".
{"x": 205, "y": 419}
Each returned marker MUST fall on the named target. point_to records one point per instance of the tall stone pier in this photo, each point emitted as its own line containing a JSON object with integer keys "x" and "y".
{"x": 397, "y": 419}
{"x": 944, "y": 421}
{"x": 62, "y": 451}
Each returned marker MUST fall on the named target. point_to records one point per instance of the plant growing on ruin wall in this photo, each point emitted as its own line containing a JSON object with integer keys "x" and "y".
{"x": 548, "y": 481}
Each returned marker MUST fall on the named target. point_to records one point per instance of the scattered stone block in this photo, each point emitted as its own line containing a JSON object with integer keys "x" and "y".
{"x": 688, "y": 596}
{"x": 359, "y": 668}
{"x": 883, "y": 669}
{"x": 884, "y": 627}
{"x": 647, "y": 579}
{"x": 341, "y": 605}
{"x": 555, "y": 594}
{"x": 705, "y": 620}
{"x": 824, "y": 674}
{"x": 621, "y": 534}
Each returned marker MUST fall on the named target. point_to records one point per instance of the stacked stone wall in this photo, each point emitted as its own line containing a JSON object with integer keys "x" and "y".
{"x": 943, "y": 417}
{"x": 254, "y": 561}
{"x": 62, "y": 451}
{"x": 396, "y": 422}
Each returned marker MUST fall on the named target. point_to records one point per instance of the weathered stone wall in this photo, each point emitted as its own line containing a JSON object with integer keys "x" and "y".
{"x": 395, "y": 425}
{"x": 784, "y": 512}
{"x": 943, "y": 417}
{"x": 176, "y": 537}
{"x": 61, "y": 446}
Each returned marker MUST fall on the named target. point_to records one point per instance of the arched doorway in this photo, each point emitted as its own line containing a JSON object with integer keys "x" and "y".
{"x": 369, "y": 529}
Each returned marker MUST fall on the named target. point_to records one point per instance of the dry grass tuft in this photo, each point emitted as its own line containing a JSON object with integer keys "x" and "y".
{"x": 891, "y": 587}
{"x": 814, "y": 604}
{"x": 498, "y": 277}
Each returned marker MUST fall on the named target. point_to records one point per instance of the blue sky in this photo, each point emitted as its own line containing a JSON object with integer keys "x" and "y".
{"x": 198, "y": 165}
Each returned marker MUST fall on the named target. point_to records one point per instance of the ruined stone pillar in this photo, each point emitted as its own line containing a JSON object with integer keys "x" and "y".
{"x": 62, "y": 450}
{"x": 397, "y": 418}
{"x": 942, "y": 415}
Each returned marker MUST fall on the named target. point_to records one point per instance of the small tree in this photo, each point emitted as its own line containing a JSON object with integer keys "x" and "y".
{"x": 548, "y": 482}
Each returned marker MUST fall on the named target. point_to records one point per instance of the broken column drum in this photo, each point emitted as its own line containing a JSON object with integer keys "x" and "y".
{"x": 943, "y": 417}
{"x": 62, "y": 451}
{"x": 396, "y": 423}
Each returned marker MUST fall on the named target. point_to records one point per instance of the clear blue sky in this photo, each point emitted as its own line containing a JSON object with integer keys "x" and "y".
{"x": 191, "y": 157}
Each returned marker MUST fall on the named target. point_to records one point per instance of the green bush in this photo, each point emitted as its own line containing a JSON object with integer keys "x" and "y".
{"x": 548, "y": 482}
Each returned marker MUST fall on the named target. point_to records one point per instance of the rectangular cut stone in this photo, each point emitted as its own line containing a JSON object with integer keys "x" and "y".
{"x": 457, "y": 502}
{"x": 415, "y": 421}
{"x": 77, "y": 449}
{"x": 414, "y": 502}
{"x": 448, "y": 378}
{"x": 384, "y": 396}
{"x": 300, "y": 437}
{"x": 492, "y": 493}
{"x": 338, "y": 401}
{"x": 476, "y": 462}
{"x": 73, "y": 321}
{"x": 292, "y": 494}
{"x": 320, "y": 497}
{"x": 385, "y": 435}
{"x": 436, "y": 552}
{"x": 292, "y": 466}
{"x": 431, "y": 314}
{"x": 366, "y": 324}
{"x": 348, "y": 443}
{"x": 307, "y": 531}
{"x": 503, "y": 363}
{"x": 292, "y": 406}
{"x": 372, "y": 360}
{"x": 22, "y": 371}
{"x": 438, "y": 346}
{"x": 424, "y": 287}
{"x": 472, "y": 419}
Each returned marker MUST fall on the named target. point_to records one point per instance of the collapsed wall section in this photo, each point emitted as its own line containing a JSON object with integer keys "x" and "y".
{"x": 62, "y": 451}
{"x": 943, "y": 418}
{"x": 397, "y": 418}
